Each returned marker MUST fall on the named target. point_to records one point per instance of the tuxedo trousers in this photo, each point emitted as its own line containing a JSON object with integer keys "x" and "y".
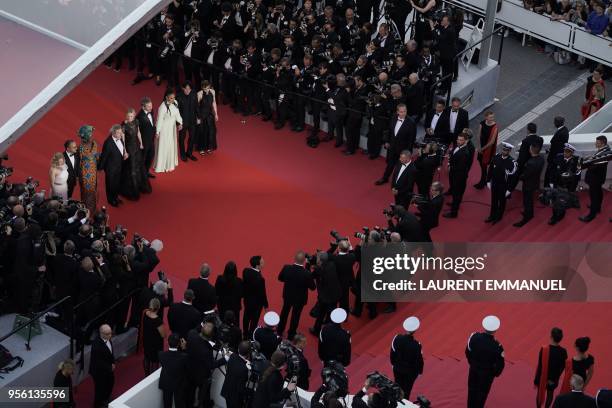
{"x": 113, "y": 184}
{"x": 103, "y": 388}
{"x": 296, "y": 311}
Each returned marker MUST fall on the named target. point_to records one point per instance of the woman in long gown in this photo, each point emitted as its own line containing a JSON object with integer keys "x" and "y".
{"x": 207, "y": 106}
{"x": 488, "y": 144}
{"x": 168, "y": 115}
{"x": 134, "y": 178}
{"x": 58, "y": 174}
{"x": 88, "y": 152}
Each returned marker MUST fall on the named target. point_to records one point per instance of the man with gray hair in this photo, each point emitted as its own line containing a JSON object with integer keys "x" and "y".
{"x": 205, "y": 293}
{"x": 111, "y": 161}
{"x": 576, "y": 398}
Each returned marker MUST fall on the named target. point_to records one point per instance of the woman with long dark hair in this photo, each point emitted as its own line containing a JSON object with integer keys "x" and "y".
{"x": 207, "y": 106}
{"x": 581, "y": 364}
{"x": 270, "y": 392}
{"x": 229, "y": 290}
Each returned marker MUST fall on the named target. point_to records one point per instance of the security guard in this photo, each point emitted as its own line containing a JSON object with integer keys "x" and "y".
{"x": 334, "y": 341}
{"x": 499, "y": 177}
{"x": 566, "y": 162}
{"x": 486, "y": 358}
{"x": 266, "y": 335}
{"x": 407, "y": 357}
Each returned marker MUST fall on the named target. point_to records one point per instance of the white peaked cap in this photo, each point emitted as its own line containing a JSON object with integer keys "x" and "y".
{"x": 491, "y": 323}
{"x": 271, "y": 318}
{"x": 412, "y": 324}
{"x": 338, "y": 315}
{"x": 157, "y": 245}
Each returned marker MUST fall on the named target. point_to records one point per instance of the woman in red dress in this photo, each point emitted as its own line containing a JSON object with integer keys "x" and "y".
{"x": 595, "y": 101}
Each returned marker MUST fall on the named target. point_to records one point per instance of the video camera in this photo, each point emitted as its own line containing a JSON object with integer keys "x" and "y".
{"x": 390, "y": 392}
{"x": 292, "y": 358}
{"x": 337, "y": 236}
{"x": 335, "y": 379}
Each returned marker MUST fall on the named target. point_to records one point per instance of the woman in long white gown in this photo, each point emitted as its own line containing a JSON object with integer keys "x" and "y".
{"x": 168, "y": 115}
{"x": 58, "y": 174}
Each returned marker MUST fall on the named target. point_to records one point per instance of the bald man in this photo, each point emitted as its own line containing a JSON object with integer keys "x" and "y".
{"x": 296, "y": 283}
{"x": 102, "y": 366}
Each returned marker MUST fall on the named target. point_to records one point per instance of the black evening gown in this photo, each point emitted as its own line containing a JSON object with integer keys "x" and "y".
{"x": 152, "y": 342}
{"x": 134, "y": 178}
{"x": 208, "y": 127}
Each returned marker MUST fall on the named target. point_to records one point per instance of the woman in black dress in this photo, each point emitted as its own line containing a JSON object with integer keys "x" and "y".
{"x": 581, "y": 364}
{"x": 134, "y": 178}
{"x": 207, "y": 110}
{"x": 153, "y": 334}
{"x": 229, "y": 290}
{"x": 63, "y": 379}
{"x": 488, "y": 144}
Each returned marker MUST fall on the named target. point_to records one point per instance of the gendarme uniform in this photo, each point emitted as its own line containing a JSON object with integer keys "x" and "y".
{"x": 407, "y": 357}
{"x": 266, "y": 335}
{"x": 569, "y": 166}
{"x": 334, "y": 341}
{"x": 486, "y": 359}
{"x": 500, "y": 175}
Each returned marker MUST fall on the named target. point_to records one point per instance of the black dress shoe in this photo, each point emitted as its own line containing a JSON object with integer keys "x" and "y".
{"x": 299, "y": 128}
{"x": 348, "y": 153}
{"x": 113, "y": 204}
{"x": 521, "y": 223}
{"x": 495, "y": 221}
{"x": 337, "y": 145}
{"x": 450, "y": 214}
{"x": 278, "y": 126}
{"x": 365, "y": 152}
{"x": 151, "y": 175}
{"x": 587, "y": 218}
{"x": 183, "y": 158}
{"x": 380, "y": 182}
{"x": 312, "y": 331}
{"x": 389, "y": 309}
{"x": 552, "y": 221}
{"x": 489, "y": 219}
{"x": 373, "y": 157}
{"x": 193, "y": 158}
{"x": 479, "y": 186}
{"x": 119, "y": 201}
{"x": 266, "y": 118}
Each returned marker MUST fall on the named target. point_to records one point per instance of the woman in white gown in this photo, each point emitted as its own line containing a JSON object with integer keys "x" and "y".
{"x": 166, "y": 154}
{"x": 59, "y": 177}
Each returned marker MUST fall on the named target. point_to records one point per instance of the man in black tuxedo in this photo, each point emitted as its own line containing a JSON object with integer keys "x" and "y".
{"x": 344, "y": 259}
{"x": 102, "y": 366}
{"x": 111, "y": 161}
{"x": 403, "y": 179}
{"x": 401, "y": 136}
{"x": 429, "y": 210}
{"x": 557, "y": 143}
{"x": 73, "y": 163}
{"x": 415, "y": 97}
{"x": 66, "y": 276}
{"x": 205, "y": 293}
{"x": 524, "y": 155}
{"x": 297, "y": 281}
{"x": 458, "y": 119}
{"x": 595, "y": 177}
{"x": 459, "y": 168}
{"x": 437, "y": 123}
{"x": 576, "y": 398}
{"x": 188, "y": 107}
{"x": 255, "y": 298}
{"x": 236, "y": 377}
{"x": 531, "y": 182}
{"x": 183, "y": 317}
{"x": 146, "y": 124}
{"x": 173, "y": 376}
{"x": 447, "y": 48}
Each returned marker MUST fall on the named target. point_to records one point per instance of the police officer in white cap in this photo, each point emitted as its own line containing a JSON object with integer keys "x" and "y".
{"x": 266, "y": 335}
{"x": 567, "y": 169}
{"x": 486, "y": 358}
{"x": 334, "y": 341}
{"x": 499, "y": 178}
{"x": 407, "y": 357}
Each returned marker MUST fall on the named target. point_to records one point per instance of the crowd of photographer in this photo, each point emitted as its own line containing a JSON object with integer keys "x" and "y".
{"x": 331, "y": 59}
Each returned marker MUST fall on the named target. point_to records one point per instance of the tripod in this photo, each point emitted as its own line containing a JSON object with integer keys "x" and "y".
{"x": 385, "y": 17}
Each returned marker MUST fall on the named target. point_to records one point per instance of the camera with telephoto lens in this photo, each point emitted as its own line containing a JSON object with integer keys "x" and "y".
{"x": 335, "y": 379}
{"x": 213, "y": 43}
{"x": 423, "y": 402}
{"x": 364, "y": 234}
{"x": 140, "y": 239}
{"x": 419, "y": 199}
{"x": 292, "y": 358}
{"x": 389, "y": 211}
{"x": 337, "y": 236}
{"x": 390, "y": 392}
{"x": 259, "y": 363}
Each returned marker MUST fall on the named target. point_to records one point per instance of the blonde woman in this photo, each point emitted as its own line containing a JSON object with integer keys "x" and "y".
{"x": 58, "y": 175}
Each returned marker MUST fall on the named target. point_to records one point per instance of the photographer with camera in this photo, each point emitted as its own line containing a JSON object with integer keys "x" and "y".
{"x": 429, "y": 161}
{"x": 368, "y": 238}
{"x": 328, "y": 289}
{"x": 270, "y": 392}
{"x": 234, "y": 388}
{"x": 368, "y": 397}
{"x": 358, "y": 105}
{"x": 446, "y": 45}
{"x": 430, "y": 209}
{"x": 406, "y": 356}
{"x": 406, "y": 224}
{"x": 160, "y": 290}
{"x": 342, "y": 256}
{"x": 334, "y": 340}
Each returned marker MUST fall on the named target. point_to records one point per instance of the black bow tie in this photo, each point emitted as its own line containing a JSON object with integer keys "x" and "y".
{"x": 455, "y": 110}
{"x": 400, "y": 120}
{"x": 70, "y": 154}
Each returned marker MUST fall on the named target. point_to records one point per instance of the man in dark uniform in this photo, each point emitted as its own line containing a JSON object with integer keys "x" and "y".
{"x": 486, "y": 359}
{"x": 595, "y": 177}
{"x": 334, "y": 341}
{"x": 459, "y": 168}
{"x": 531, "y": 182}
{"x": 252, "y": 71}
{"x": 500, "y": 173}
{"x": 407, "y": 357}
{"x": 337, "y": 99}
{"x": 557, "y": 143}
{"x": 183, "y": 316}
{"x": 266, "y": 335}
{"x": 299, "y": 343}
{"x": 102, "y": 366}
{"x": 566, "y": 169}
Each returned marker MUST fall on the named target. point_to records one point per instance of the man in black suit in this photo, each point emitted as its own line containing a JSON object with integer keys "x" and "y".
{"x": 557, "y": 143}
{"x": 73, "y": 163}
{"x": 303, "y": 380}
{"x": 459, "y": 167}
{"x": 188, "y": 107}
{"x": 415, "y": 97}
{"x": 173, "y": 376}
{"x": 183, "y": 317}
{"x": 403, "y": 179}
{"x": 429, "y": 210}
{"x": 576, "y": 398}
{"x": 524, "y": 155}
{"x": 595, "y": 177}
{"x": 447, "y": 48}
{"x": 344, "y": 259}
{"x": 458, "y": 119}
{"x": 102, "y": 366}
{"x": 297, "y": 281}
{"x": 146, "y": 124}
{"x": 531, "y": 182}
{"x": 328, "y": 289}
{"x": 401, "y": 136}
{"x": 437, "y": 123}
{"x": 255, "y": 298}
{"x": 236, "y": 377}
{"x": 205, "y": 293}
{"x": 111, "y": 161}
{"x": 65, "y": 277}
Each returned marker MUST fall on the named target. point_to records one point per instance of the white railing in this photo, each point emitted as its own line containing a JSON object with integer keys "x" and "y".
{"x": 562, "y": 34}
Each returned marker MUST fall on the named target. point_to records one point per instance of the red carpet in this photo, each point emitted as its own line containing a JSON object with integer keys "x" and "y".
{"x": 265, "y": 192}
